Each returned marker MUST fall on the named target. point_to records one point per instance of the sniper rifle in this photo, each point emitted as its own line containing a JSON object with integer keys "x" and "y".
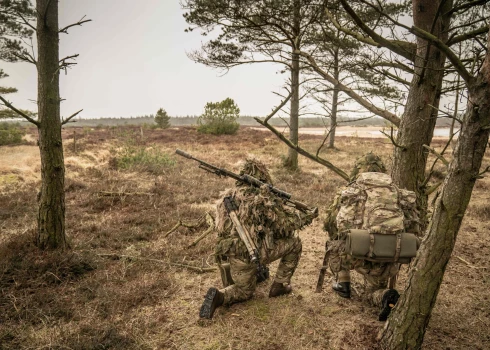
{"x": 251, "y": 181}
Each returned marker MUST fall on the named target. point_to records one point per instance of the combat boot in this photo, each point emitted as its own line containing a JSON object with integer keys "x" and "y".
{"x": 390, "y": 297}
{"x": 278, "y": 289}
{"x": 342, "y": 289}
{"x": 213, "y": 299}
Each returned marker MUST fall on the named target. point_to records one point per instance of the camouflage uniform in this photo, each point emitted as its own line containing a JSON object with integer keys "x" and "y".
{"x": 271, "y": 224}
{"x": 376, "y": 275}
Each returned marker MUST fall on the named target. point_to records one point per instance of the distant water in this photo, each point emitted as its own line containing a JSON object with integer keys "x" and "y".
{"x": 364, "y": 132}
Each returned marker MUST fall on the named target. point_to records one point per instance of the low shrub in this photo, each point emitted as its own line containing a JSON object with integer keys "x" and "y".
{"x": 141, "y": 158}
{"x": 219, "y": 118}
{"x": 10, "y": 133}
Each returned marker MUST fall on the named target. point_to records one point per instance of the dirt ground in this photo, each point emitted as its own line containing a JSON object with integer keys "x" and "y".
{"x": 124, "y": 285}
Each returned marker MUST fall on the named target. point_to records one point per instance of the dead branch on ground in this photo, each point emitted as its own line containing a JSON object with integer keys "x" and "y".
{"x": 210, "y": 222}
{"x": 190, "y": 267}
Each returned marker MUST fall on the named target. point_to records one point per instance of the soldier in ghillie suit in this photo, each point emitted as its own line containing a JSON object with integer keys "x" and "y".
{"x": 353, "y": 209}
{"x": 272, "y": 226}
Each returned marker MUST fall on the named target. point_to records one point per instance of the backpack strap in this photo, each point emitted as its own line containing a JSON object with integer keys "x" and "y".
{"x": 371, "y": 245}
{"x": 398, "y": 246}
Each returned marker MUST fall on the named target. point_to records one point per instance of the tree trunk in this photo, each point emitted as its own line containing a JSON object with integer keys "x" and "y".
{"x": 335, "y": 101}
{"x": 51, "y": 216}
{"x": 420, "y": 114}
{"x": 292, "y": 159}
{"x": 406, "y": 326}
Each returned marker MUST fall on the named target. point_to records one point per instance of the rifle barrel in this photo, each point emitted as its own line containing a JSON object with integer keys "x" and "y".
{"x": 250, "y": 180}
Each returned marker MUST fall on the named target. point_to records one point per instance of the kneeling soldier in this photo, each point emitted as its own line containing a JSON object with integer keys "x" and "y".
{"x": 271, "y": 226}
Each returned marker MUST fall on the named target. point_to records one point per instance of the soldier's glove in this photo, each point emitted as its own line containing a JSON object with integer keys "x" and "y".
{"x": 262, "y": 273}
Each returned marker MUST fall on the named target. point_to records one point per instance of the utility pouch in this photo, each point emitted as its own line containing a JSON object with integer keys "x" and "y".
{"x": 224, "y": 270}
{"x": 396, "y": 248}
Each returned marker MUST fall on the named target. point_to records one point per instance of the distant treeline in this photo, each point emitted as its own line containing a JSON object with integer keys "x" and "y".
{"x": 313, "y": 122}
{"x": 244, "y": 120}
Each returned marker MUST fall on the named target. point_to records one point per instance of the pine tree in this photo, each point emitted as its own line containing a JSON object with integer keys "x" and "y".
{"x": 162, "y": 119}
{"x": 15, "y": 16}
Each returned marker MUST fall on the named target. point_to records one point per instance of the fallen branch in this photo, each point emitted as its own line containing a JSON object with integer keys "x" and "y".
{"x": 195, "y": 268}
{"x": 469, "y": 264}
{"x": 190, "y": 267}
{"x": 179, "y": 223}
{"x": 120, "y": 194}
{"x": 210, "y": 222}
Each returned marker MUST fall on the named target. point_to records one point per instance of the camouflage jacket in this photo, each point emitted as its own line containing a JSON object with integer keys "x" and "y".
{"x": 264, "y": 215}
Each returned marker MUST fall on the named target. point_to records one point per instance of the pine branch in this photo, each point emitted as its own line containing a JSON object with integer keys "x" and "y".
{"x": 67, "y": 120}
{"x": 465, "y": 36}
{"x": 458, "y": 65}
{"x": 468, "y": 5}
{"x": 392, "y": 139}
{"x": 278, "y": 108}
{"x": 303, "y": 152}
{"x": 437, "y": 154}
{"x": 79, "y": 23}
{"x": 19, "y": 112}
{"x": 351, "y": 93}
{"x": 404, "y": 49}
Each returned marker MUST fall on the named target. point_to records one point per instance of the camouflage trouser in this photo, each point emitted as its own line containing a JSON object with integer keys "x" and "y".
{"x": 376, "y": 275}
{"x": 244, "y": 272}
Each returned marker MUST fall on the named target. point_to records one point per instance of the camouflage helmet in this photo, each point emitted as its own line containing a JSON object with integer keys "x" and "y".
{"x": 257, "y": 169}
{"x": 369, "y": 162}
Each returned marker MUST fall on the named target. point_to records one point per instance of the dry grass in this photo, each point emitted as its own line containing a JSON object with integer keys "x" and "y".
{"x": 117, "y": 289}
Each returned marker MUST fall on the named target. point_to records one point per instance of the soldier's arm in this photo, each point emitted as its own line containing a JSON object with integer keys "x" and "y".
{"x": 330, "y": 222}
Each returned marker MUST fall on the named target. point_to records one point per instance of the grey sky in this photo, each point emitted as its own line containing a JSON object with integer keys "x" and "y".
{"x": 133, "y": 61}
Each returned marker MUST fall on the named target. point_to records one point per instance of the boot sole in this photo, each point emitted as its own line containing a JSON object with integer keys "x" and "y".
{"x": 207, "y": 309}
{"x": 391, "y": 299}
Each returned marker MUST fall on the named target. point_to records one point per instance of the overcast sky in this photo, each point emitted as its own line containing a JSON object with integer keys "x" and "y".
{"x": 133, "y": 61}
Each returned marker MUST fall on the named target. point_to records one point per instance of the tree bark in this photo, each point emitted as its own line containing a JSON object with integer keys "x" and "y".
{"x": 406, "y": 326}
{"x": 292, "y": 158}
{"x": 420, "y": 114}
{"x": 51, "y": 216}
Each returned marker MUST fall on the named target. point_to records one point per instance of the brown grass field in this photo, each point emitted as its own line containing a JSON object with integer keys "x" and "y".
{"x": 120, "y": 286}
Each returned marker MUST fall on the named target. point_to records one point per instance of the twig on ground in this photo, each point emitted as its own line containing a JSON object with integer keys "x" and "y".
{"x": 210, "y": 222}
{"x": 200, "y": 221}
{"x": 195, "y": 268}
{"x": 177, "y": 225}
{"x": 190, "y": 267}
{"x": 120, "y": 194}
{"x": 469, "y": 264}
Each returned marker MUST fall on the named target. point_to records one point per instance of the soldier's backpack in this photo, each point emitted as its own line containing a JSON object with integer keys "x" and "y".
{"x": 379, "y": 219}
